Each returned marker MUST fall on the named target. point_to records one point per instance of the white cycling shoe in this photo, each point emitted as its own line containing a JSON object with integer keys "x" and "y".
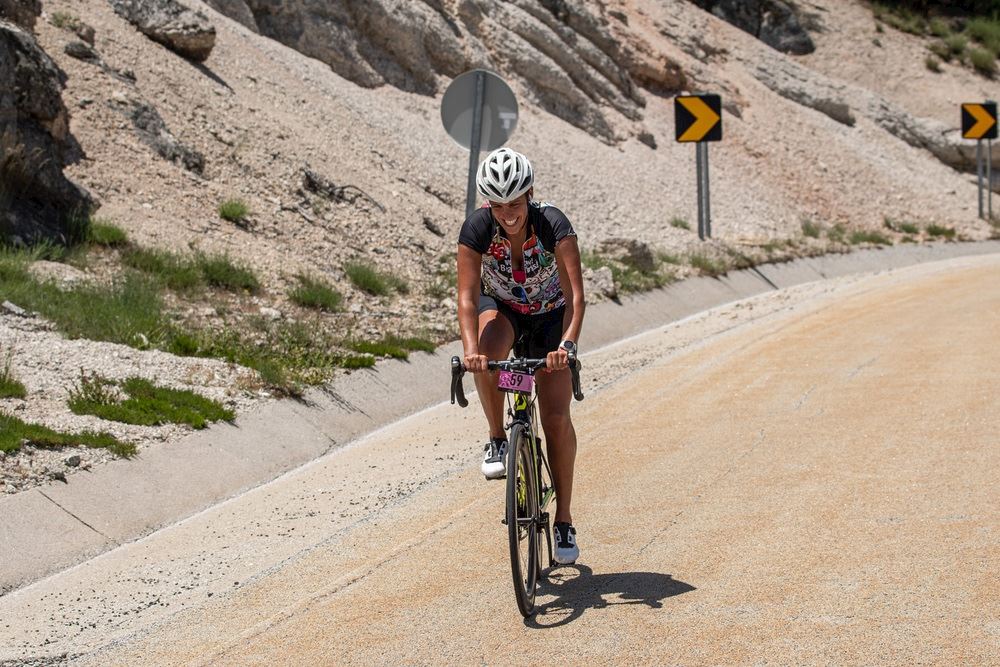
{"x": 564, "y": 535}
{"x": 495, "y": 459}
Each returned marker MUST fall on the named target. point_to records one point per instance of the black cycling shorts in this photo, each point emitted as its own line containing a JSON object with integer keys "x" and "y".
{"x": 539, "y": 334}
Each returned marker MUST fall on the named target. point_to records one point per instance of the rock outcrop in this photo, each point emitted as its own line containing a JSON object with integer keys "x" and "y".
{"x": 830, "y": 97}
{"x": 944, "y": 142}
{"x": 236, "y": 10}
{"x": 180, "y": 29}
{"x": 153, "y": 132}
{"x": 631, "y": 252}
{"x": 23, "y": 13}
{"x": 37, "y": 201}
{"x": 802, "y": 86}
{"x": 572, "y": 59}
{"x": 774, "y": 22}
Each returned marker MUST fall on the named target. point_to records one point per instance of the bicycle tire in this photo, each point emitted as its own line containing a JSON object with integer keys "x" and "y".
{"x": 522, "y": 518}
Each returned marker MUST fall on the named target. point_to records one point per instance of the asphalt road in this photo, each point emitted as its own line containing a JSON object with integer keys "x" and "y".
{"x": 808, "y": 477}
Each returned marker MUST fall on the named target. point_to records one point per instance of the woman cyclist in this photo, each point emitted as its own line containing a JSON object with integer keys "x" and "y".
{"x": 519, "y": 273}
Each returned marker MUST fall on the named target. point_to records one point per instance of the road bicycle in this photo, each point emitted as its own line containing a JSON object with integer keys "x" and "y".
{"x": 529, "y": 478}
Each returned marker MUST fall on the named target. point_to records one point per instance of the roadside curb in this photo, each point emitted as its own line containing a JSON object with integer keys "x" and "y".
{"x": 53, "y": 527}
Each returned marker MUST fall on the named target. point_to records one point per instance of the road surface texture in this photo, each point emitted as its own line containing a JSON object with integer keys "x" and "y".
{"x": 805, "y": 477}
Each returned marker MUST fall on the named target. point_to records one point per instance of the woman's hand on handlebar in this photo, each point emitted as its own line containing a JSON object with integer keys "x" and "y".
{"x": 557, "y": 360}
{"x": 476, "y": 363}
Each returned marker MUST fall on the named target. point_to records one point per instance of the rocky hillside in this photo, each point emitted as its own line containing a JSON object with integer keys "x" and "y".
{"x": 594, "y": 80}
{"x": 322, "y": 118}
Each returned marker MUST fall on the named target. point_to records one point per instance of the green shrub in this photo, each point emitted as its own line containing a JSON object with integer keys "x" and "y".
{"x": 396, "y": 283}
{"x": 941, "y": 50}
{"x": 379, "y": 348}
{"x": 392, "y": 346}
{"x": 10, "y": 387}
{"x": 937, "y": 231}
{"x": 680, "y": 223}
{"x": 627, "y": 278}
{"x": 233, "y": 210}
{"x": 836, "y": 233}
{"x": 939, "y": 27}
{"x": 810, "y": 229}
{"x": 368, "y": 279}
{"x": 900, "y": 17}
{"x": 106, "y": 234}
{"x": 984, "y": 61}
{"x": 13, "y": 432}
{"x": 909, "y": 228}
{"x": 313, "y": 292}
{"x": 445, "y": 282}
{"x": 932, "y": 63}
{"x": 414, "y": 343}
{"x": 286, "y": 355}
{"x": 707, "y": 265}
{"x": 171, "y": 269}
{"x": 184, "y": 273}
{"x": 956, "y": 44}
{"x": 220, "y": 271}
{"x": 986, "y": 32}
{"x": 868, "y": 236}
{"x": 129, "y": 311}
{"x": 146, "y": 404}
{"x": 776, "y": 245}
{"x": 64, "y": 21}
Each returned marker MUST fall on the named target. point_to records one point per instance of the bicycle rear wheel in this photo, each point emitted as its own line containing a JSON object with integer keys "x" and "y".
{"x": 522, "y": 517}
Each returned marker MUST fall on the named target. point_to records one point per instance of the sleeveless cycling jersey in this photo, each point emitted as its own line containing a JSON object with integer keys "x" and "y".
{"x": 536, "y": 289}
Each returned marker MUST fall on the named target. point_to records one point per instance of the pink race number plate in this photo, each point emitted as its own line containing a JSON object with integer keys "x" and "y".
{"x": 511, "y": 381}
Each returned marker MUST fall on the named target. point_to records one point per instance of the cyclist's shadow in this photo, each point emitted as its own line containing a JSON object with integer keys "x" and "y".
{"x": 576, "y": 588}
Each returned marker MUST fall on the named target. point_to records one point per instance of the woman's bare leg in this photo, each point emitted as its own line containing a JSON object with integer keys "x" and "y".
{"x": 554, "y": 393}
{"x": 496, "y": 337}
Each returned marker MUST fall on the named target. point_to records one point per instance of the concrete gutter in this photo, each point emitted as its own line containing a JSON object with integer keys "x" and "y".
{"x": 50, "y": 528}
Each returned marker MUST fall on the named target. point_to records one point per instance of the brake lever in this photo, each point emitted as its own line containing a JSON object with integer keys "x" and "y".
{"x": 457, "y": 390}
{"x": 574, "y": 369}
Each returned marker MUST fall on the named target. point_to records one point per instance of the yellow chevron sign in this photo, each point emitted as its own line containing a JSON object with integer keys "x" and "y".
{"x": 698, "y": 118}
{"x": 979, "y": 121}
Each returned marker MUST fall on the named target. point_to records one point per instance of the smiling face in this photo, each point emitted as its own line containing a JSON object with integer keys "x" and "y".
{"x": 512, "y": 216}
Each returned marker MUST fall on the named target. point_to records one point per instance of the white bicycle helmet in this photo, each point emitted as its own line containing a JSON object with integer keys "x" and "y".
{"x": 504, "y": 176}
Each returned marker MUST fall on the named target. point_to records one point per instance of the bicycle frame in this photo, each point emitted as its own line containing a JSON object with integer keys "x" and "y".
{"x": 521, "y": 407}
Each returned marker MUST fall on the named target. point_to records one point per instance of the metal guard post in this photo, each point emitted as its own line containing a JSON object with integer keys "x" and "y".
{"x": 979, "y": 173}
{"x": 708, "y": 198}
{"x": 477, "y": 129}
{"x": 701, "y": 194}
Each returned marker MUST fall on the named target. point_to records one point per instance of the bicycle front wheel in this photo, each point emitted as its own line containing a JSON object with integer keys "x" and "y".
{"x": 522, "y": 517}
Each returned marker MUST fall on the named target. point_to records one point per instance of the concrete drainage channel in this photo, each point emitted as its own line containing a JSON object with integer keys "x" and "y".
{"x": 50, "y": 528}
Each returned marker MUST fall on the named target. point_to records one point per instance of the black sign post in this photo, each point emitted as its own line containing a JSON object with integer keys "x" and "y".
{"x": 698, "y": 119}
{"x": 979, "y": 121}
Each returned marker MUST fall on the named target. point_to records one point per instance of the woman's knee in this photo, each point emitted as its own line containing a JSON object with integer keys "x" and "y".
{"x": 557, "y": 421}
{"x": 495, "y": 335}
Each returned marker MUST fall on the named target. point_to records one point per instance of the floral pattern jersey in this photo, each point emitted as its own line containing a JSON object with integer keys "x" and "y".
{"x": 536, "y": 289}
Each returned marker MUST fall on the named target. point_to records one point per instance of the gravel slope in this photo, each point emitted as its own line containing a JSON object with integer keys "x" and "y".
{"x": 260, "y": 112}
